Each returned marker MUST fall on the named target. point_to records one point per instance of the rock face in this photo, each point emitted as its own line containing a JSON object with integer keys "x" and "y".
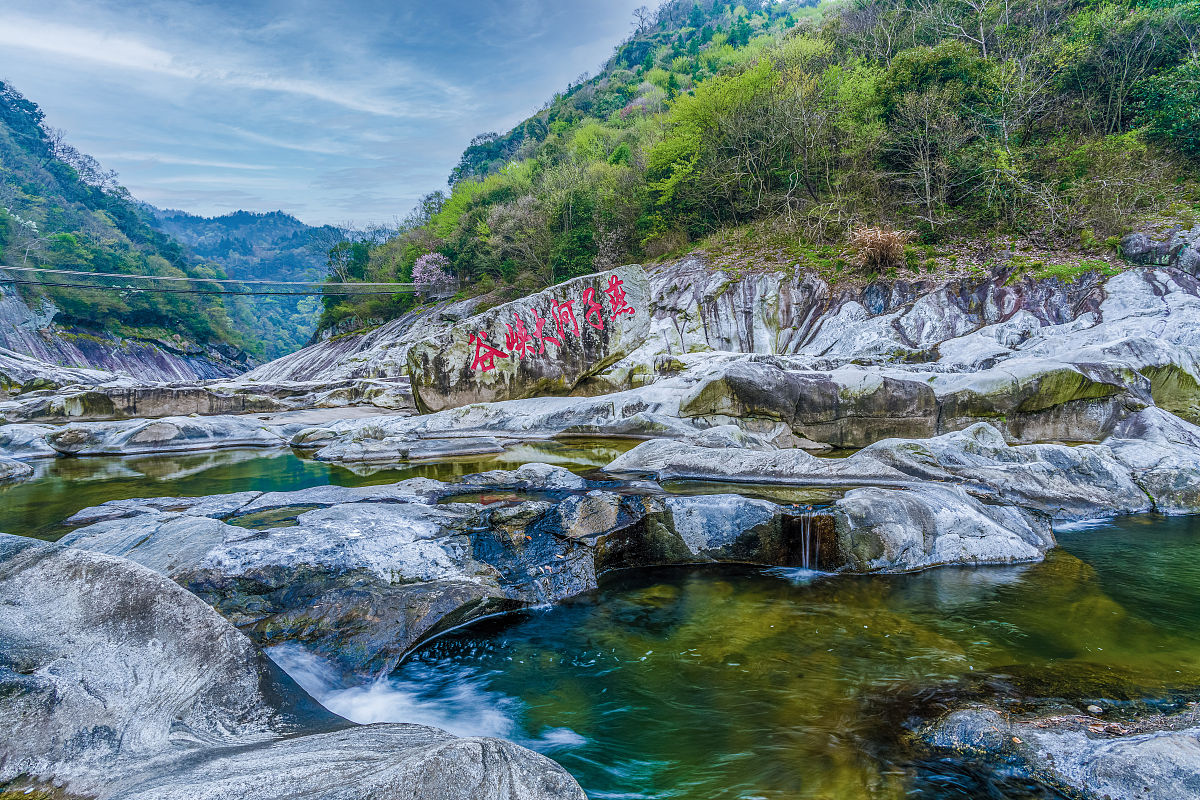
{"x": 13, "y": 470}
{"x": 1157, "y": 758}
{"x": 32, "y": 332}
{"x": 116, "y": 683}
{"x": 547, "y": 343}
{"x": 381, "y": 352}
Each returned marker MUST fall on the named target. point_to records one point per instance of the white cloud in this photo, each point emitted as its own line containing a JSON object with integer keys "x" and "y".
{"x": 127, "y": 53}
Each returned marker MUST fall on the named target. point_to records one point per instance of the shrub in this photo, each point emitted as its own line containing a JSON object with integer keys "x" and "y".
{"x": 879, "y": 249}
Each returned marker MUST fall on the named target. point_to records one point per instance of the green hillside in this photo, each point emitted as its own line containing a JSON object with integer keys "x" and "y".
{"x": 59, "y": 208}
{"x": 780, "y": 128}
{"x": 256, "y": 246}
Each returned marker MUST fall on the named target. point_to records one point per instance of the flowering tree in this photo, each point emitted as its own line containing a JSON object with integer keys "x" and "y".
{"x": 430, "y": 270}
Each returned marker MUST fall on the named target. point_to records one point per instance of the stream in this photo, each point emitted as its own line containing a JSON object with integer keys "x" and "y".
{"x": 740, "y": 683}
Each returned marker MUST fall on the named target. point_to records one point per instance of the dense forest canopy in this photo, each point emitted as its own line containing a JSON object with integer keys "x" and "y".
{"x": 1058, "y": 120}
{"x": 59, "y": 208}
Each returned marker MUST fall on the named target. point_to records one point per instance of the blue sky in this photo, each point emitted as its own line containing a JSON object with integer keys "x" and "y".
{"x": 332, "y": 111}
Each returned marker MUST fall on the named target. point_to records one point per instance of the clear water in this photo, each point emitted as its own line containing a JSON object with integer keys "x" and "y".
{"x": 62, "y": 486}
{"x": 737, "y": 684}
{"x": 733, "y": 683}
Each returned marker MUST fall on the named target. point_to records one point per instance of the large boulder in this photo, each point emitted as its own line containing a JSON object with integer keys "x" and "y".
{"x": 546, "y": 343}
{"x": 1155, "y": 758}
{"x": 895, "y": 530}
{"x": 116, "y": 683}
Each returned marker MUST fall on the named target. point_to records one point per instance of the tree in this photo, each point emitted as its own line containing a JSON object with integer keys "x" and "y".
{"x": 430, "y": 270}
{"x": 1169, "y": 107}
{"x": 927, "y": 134}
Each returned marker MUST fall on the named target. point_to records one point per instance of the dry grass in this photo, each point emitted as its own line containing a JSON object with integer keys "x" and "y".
{"x": 879, "y": 249}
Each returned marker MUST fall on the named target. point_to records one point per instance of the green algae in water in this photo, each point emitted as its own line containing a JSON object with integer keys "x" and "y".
{"x": 738, "y": 683}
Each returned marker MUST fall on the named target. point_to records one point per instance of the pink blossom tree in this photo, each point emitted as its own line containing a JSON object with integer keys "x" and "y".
{"x": 431, "y": 269}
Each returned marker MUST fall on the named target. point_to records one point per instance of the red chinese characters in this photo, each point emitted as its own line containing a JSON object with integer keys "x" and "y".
{"x": 562, "y": 314}
{"x": 521, "y": 342}
{"x": 616, "y": 297}
{"x": 594, "y": 309}
{"x": 485, "y": 354}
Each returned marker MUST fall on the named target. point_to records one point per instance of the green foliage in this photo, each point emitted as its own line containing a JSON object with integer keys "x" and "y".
{"x": 801, "y": 122}
{"x": 1169, "y": 107}
{"x": 62, "y": 210}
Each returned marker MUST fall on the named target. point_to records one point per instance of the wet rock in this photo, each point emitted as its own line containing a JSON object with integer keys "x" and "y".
{"x": 114, "y": 682}
{"x": 167, "y": 435}
{"x": 594, "y": 332}
{"x": 1157, "y": 758}
{"x": 892, "y": 530}
{"x": 217, "y": 507}
{"x": 13, "y": 470}
{"x": 26, "y": 441}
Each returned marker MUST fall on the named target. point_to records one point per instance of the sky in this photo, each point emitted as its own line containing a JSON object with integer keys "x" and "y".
{"x": 333, "y": 111}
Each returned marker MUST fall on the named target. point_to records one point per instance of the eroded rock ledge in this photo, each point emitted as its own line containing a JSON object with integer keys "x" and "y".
{"x": 116, "y": 683}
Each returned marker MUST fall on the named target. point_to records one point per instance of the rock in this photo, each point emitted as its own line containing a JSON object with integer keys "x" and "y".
{"x": 397, "y": 449}
{"x": 168, "y": 435}
{"x": 381, "y": 352}
{"x": 13, "y": 470}
{"x": 26, "y": 441}
{"x": 217, "y": 507}
{"x": 1081, "y": 482}
{"x": 1159, "y": 758}
{"x": 1163, "y": 453}
{"x": 116, "y": 683}
{"x": 21, "y": 373}
{"x": 475, "y": 360}
{"x": 528, "y": 477}
{"x": 892, "y": 530}
{"x": 373, "y": 762}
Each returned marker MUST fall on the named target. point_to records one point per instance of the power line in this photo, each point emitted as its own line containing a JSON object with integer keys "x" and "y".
{"x": 206, "y": 291}
{"x": 204, "y": 280}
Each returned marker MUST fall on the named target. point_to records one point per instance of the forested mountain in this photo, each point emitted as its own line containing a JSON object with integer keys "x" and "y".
{"x": 255, "y": 246}
{"x": 59, "y": 208}
{"x": 777, "y": 130}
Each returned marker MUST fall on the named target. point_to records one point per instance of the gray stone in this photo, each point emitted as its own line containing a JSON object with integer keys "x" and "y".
{"x": 893, "y": 530}
{"x": 168, "y": 435}
{"x": 1157, "y": 758}
{"x": 116, "y": 683}
{"x": 13, "y": 470}
{"x": 445, "y": 373}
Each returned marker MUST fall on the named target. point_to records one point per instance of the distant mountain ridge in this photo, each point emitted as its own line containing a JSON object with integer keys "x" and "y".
{"x": 253, "y": 245}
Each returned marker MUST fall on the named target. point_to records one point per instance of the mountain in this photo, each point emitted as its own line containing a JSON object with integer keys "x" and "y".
{"x": 60, "y": 209}
{"x": 260, "y": 246}
{"x": 856, "y": 140}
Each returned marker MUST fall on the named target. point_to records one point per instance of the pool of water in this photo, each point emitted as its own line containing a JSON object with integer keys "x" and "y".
{"x": 751, "y": 684}
{"x": 62, "y": 486}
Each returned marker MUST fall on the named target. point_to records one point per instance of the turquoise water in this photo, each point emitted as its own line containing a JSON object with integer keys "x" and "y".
{"x": 735, "y": 683}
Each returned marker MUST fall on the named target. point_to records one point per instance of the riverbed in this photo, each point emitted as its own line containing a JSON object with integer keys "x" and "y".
{"x": 738, "y": 682}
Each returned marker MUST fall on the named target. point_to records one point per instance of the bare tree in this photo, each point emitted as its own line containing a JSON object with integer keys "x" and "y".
{"x": 643, "y": 15}
{"x": 928, "y": 131}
